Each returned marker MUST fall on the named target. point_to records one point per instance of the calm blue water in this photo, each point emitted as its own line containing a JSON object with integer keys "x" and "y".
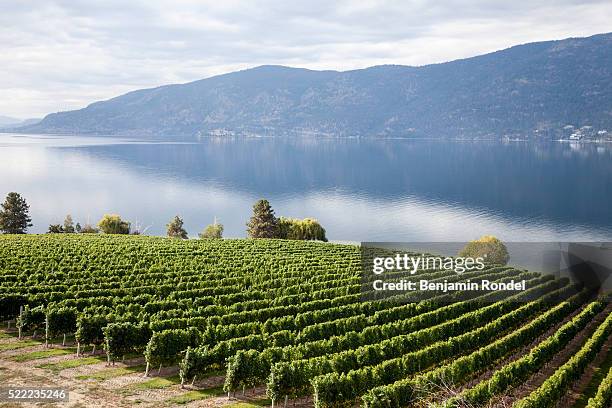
{"x": 392, "y": 190}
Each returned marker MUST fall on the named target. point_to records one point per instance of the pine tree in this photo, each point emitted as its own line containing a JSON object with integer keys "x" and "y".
{"x": 14, "y": 216}
{"x": 175, "y": 228}
{"x": 263, "y": 223}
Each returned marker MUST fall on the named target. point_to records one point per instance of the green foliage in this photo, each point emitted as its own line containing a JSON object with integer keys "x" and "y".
{"x": 379, "y": 343}
{"x": 90, "y": 328}
{"x": 124, "y": 338}
{"x": 245, "y": 369}
{"x": 10, "y": 304}
{"x": 212, "y": 231}
{"x": 518, "y": 371}
{"x": 113, "y": 224}
{"x": 61, "y": 320}
{"x": 555, "y": 386}
{"x": 306, "y": 229}
{"x": 165, "y": 347}
{"x": 289, "y": 313}
{"x": 488, "y": 247}
{"x": 263, "y": 223}
{"x": 175, "y": 228}
{"x": 32, "y": 318}
{"x": 69, "y": 225}
{"x": 603, "y": 398}
{"x": 485, "y": 352}
{"x": 67, "y": 228}
{"x": 15, "y": 215}
{"x": 55, "y": 229}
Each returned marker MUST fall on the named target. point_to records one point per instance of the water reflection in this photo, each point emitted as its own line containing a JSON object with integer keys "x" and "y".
{"x": 358, "y": 189}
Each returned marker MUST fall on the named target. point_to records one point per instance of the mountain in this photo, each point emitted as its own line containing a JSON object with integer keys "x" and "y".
{"x": 531, "y": 89}
{"x": 8, "y": 122}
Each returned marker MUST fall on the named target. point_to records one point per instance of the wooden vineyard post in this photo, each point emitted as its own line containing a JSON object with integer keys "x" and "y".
{"x": 20, "y": 320}
{"x": 46, "y": 331}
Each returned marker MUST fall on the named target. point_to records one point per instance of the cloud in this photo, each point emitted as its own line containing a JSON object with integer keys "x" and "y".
{"x": 65, "y": 54}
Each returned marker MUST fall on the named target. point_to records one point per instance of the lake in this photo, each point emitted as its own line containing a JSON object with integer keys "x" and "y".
{"x": 359, "y": 189}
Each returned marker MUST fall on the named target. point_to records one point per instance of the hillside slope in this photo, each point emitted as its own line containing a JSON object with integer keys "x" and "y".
{"x": 539, "y": 86}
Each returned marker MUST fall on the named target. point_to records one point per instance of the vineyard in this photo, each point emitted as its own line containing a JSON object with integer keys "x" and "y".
{"x": 284, "y": 323}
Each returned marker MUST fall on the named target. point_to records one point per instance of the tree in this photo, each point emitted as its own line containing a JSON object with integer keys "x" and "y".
{"x": 487, "y": 247}
{"x": 263, "y": 223}
{"x": 88, "y": 229}
{"x": 14, "y": 216}
{"x": 113, "y": 224}
{"x": 78, "y": 228}
{"x": 69, "y": 225}
{"x": 212, "y": 231}
{"x": 306, "y": 229}
{"x": 175, "y": 228}
{"x": 55, "y": 229}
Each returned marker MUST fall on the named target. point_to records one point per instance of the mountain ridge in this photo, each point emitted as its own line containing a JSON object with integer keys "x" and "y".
{"x": 533, "y": 89}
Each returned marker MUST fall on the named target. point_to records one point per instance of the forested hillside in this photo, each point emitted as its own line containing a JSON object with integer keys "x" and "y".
{"x": 531, "y": 90}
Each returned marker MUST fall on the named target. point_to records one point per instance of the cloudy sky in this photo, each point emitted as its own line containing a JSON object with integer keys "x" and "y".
{"x": 61, "y": 55}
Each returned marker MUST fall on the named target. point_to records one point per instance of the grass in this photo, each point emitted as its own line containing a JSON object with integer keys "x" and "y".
{"x": 8, "y": 335}
{"x": 77, "y": 362}
{"x": 250, "y": 404}
{"x": 15, "y": 345}
{"x": 155, "y": 383}
{"x": 111, "y": 373}
{"x": 591, "y": 388}
{"x": 196, "y": 395}
{"x": 36, "y": 355}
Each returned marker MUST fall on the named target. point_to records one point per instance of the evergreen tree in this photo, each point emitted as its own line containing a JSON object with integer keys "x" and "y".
{"x": 175, "y": 228}
{"x": 14, "y": 216}
{"x": 263, "y": 223}
{"x": 78, "y": 227}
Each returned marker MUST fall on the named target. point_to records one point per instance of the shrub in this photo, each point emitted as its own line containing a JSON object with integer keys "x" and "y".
{"x": 306, "y": 229}
{"x": 487, "y": 247}
{"x": 113, "y": 224}
{"x": 213, "y": 231}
